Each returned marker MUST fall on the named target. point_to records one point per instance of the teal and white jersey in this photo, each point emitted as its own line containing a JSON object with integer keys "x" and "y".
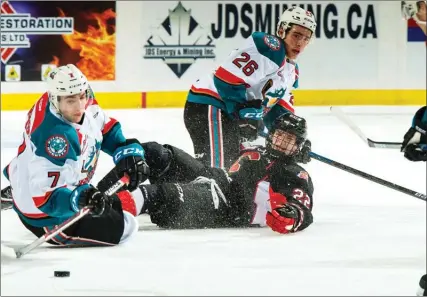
{"x": 257, "y": 70}
{"x": 55, "y": 157}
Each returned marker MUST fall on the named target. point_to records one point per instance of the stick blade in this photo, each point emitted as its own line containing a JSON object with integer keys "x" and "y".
{"x": 8, "y": 253}
{"x": 371, "y": 143}
{"x": 386, "y": 145}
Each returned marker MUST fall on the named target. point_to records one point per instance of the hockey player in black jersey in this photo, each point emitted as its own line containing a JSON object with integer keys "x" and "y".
{"x": 265, "y": 186}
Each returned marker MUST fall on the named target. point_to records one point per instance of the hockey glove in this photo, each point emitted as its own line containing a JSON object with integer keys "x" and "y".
{"x": 248, "y": 130}
{"x": 251, "y": 110}
{"x": 415, "y": 153}
{"x": 129, "y": 159}
{"x": 304, "y": 155}
{"x": 415, "y": 140}
{"x": 283, "y": 219}
{"x": 88, "y": 195}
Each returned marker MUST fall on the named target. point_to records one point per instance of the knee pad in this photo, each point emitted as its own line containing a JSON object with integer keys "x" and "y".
{"x": 158, "y": 158}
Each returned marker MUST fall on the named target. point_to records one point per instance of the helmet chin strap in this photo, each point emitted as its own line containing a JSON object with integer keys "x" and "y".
{"x": 55, "y": 102}
{"x": 56, "y": 107}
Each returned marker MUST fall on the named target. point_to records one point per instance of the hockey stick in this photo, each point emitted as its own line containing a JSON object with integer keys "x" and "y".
{"x": 368, "y": 176}
{"x": 84, "y": 211}
{"x": 371, "y": 143}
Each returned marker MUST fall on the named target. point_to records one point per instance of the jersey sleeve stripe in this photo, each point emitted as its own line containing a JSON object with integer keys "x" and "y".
{"x": 6, "y": 171}
{"x": 205, "y": 92}
{"x": 286, "y": 105}
{"x": 229, "y": 77}
{"x": 30, "y": 215}
{"x": 39, "y": 111}
{"x": 39, "y": 201}
{"x": 108, "y": 126}
{"x": 21, "y": 148}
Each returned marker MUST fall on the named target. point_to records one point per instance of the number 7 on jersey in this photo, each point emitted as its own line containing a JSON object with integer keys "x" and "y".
{"x": 55, "y": 175}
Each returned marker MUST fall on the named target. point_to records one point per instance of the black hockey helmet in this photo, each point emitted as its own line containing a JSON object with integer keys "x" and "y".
{"x": 286, "y": 136}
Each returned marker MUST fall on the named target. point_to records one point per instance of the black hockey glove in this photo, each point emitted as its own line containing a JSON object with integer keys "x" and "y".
{"x": 88, "y": 195}
{"x": 414, "y": 143}
{"x": 248, "y": 130}
{"x": 415, "y": 153}
{"x": 304, "y": 155}
{"x": 129, "y": 159}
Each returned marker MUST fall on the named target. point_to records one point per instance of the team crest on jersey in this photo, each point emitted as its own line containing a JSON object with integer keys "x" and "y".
{"x": 303, "y": 175}
{"x": 57, "y": 146}
{"x": 272, "y": 42}
{"x": 89, "y": 164}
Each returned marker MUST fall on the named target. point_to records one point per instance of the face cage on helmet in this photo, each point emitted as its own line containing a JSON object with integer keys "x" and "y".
{"x": 276, "y": 144}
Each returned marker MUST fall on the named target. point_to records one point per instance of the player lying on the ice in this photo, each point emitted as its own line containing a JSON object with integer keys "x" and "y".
{"x": 51, "y": 174}
{"x": 263, "y": 187}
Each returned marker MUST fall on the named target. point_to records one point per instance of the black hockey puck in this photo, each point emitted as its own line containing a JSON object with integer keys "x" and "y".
{"x": 61, "y": 273}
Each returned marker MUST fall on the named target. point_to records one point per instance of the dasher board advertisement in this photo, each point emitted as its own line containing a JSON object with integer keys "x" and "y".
{"x": 39, "y": 36}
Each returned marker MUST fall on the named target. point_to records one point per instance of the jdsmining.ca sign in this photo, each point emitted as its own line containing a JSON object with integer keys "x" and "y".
{"x": 334, "y": 21}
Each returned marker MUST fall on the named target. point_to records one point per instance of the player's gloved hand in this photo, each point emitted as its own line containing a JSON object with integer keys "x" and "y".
{"x": 414, "y": 143}
{"x": 304, "y": 155}
{"x": 248, "y": 129}
{"x": 283, "y": 219}
{"x": 415, "y": 153}
{"x": 88, "y": 195}
{"x": 129, "y": 159}
{"x": 252, "y": 109}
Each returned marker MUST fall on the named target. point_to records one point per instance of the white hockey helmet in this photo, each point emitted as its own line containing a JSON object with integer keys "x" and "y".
{"x": 65, "y": 81}
{"x": 295, "y": 16}
{"x": 410, "y": 10}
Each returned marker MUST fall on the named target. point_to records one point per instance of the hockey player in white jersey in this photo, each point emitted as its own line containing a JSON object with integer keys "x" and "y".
{"x": 51, "y": 174}
{"x": 416, "y": 10}
{"x": 254, "y": 83}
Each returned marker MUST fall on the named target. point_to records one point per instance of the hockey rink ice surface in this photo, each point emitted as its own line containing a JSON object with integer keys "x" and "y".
{"x": 366, "y": 239}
